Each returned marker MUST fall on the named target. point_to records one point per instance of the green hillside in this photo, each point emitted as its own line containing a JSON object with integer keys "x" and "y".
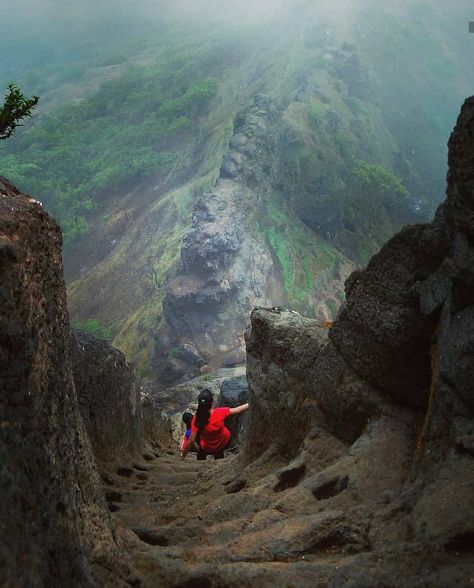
{"x": 138, "y": 108}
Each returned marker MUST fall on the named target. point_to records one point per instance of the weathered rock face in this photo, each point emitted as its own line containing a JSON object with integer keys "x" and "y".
{"x": 378, "y": 418}
{"x": 228, "y": 264}
{"x": 156, "y": 424}
{"x": 234, "y": 392}
{"x": 297, "y": 379}
{"x": 109, "y": 397}
{"x": 380, "y": 331}
{"x": 443, "y": 513}
{"x": 225, "y": 263}
{"x": 54, "y": 525}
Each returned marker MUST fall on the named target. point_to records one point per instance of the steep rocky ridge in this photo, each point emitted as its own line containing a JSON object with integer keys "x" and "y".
{"x": 346, "y": 86}
{"x": 54, "y": 524}
{"x": 227, "y": 263}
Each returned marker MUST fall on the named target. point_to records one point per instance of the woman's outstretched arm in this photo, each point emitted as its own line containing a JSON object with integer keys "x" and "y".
{"x": 189, "y": 444}
{"x": 239, "y": 409}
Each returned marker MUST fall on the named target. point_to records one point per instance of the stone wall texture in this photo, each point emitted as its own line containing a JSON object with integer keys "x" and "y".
{"x": 54, "y": 525}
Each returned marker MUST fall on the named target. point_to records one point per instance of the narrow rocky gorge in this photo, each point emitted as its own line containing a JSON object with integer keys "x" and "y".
{"x": 355, "y": 467}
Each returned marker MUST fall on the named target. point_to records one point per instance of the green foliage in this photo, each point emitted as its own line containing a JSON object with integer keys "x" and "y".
{"x": 280, "y": 246}
{"x": 374, "y": 181}
{"x": 298, "y": 254}
{"x": 116, "y": 135}
{"x": 93, "y": 327}
{"x": 373, "y": 205}
{"x": 343, "y": 144}
{"x": 15, "y": 108}
{"x": 316, "y": 112}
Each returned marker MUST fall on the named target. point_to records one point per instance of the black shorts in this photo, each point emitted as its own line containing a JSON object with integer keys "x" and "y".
{"x": 201, "y": 454}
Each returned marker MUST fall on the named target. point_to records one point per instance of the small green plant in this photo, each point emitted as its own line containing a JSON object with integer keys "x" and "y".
{"x": 14, "y": 110}
{"x": 316, "y": 113}
{"x": 173, "y": 352}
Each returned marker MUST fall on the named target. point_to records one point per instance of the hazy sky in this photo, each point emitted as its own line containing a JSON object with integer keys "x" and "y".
{"x": 52, "y": 9}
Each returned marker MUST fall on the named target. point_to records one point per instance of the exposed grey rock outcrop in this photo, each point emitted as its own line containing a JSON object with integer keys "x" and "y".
{"x": 251, "y": 158}
{"x": 225, "y": 262}
{"x": 54, "y": 525}
{"x": 228, "y": 264}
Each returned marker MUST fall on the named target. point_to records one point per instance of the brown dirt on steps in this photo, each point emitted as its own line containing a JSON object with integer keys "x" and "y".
{"x": 182, "y": 526}
{"x": 212, "y": 523}
{"x": 224, "y": 524}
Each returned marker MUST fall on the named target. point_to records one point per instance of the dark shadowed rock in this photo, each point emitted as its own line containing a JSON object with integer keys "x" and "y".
{"x": 109, "y": 397}
{"x": 234, "y": 392}
{"x": 380, "y": 331}
{"x": 54, "y": 524}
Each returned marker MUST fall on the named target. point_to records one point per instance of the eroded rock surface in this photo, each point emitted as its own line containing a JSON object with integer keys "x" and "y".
{"x": 234, "y": 392}
{"x": 54, "y": 525}
{"x": 388, "y": 395}
{"x": 228, "y": 265}
{"x": 109, "y": 397}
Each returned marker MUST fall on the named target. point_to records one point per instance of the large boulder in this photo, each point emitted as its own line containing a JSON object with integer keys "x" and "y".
{"x": 157, "y": 426}
{"x": 234, "y": 392}
{"x": 297, "y": 379}
{"x": 109, "y": 397}
{"x": 54, "y": 524}
{"x": 380, "y": 331}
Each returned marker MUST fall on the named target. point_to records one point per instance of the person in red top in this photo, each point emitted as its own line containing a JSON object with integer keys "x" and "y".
{"x": 209, "y": 424}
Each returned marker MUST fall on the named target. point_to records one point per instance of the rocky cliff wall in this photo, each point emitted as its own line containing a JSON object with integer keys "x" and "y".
{"x": 109, "y": 397}
{"x": 54, "y": 525}
{"x": 372, "y": 425}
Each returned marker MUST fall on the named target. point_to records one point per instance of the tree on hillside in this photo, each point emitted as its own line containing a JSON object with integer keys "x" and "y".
{"x": 15, "y": 109}
{"x": 376, "y": 195}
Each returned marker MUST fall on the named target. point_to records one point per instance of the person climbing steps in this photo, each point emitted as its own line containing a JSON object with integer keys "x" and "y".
{"x": 208, "y": 423}
{"x": 187, "y": 418}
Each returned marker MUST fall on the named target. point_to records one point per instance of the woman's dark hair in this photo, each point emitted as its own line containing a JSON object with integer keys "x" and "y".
{"x": 205, "y": 400}
{"x": 187, "y": 418}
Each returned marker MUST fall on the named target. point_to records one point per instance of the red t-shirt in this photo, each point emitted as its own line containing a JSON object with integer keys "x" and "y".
{"x": 214, "y": 436}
